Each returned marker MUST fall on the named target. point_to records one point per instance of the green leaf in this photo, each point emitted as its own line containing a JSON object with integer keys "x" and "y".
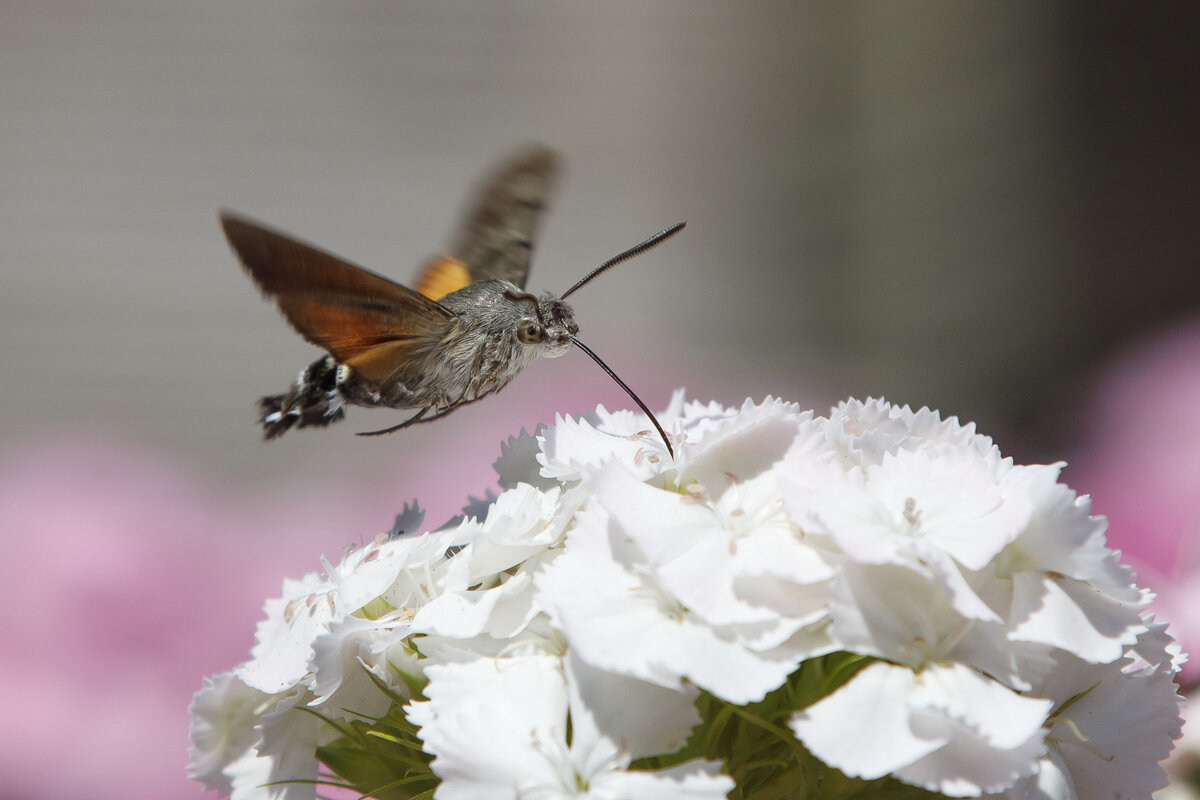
{"x": 382, "y": 758}
{"x": 757, "y": 749}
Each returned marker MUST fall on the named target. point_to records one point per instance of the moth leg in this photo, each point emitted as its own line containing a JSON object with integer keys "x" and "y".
{"x": 413, "y": 420}
{"x": 454, "y": 407}
{"x": 420, "y": 416}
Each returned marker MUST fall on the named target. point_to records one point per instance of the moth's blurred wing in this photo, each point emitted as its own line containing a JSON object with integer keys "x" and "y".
{"x": 497, "y": 235}
{"x": 442, "y": 275}
{"x": 364, "y": 320}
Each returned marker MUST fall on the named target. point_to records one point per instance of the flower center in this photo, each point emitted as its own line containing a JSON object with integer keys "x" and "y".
{"x": 912, "y": 514}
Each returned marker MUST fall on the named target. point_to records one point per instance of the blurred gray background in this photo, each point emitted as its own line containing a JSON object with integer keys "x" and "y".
{"x": 960, "y": 205}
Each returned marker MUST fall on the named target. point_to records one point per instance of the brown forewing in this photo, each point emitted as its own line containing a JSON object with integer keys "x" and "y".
{"x": 362, "y": 319}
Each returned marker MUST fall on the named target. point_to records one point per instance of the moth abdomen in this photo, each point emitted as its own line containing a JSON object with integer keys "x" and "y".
{"x": 314, "y": 400}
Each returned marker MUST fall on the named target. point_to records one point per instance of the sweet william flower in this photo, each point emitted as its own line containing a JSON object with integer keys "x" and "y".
{"x": 1068, "y": 588}
{"x": 944, "y": 513}
{"x": 903, "y": 616}
{"x": 499, "y": 729}
{"x": 872, "y": 603}
{"x": 224, "y": 713}
{"x": 486, "y": 589}
{"x": 285, "y": 639}
{"x": 353, "y": 659}
{"x": 863, "y": 431}
{"x": 946, "y": 728}
{"x": 1113, "y": 723}
{"x": 744, "y": 530}
{"x": 623, "y": 620}
{"x": 248, "y": 744}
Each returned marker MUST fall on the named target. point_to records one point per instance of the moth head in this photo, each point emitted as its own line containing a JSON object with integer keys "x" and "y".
{"x": 547, "y": 323}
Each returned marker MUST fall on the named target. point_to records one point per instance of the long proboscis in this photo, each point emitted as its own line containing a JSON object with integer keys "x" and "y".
{"x": 636, "y": 250}
{"x": 628, "y": 391}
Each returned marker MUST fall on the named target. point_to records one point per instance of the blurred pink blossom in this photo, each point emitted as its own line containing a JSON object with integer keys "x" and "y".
{"x": 131, "y": 578}
{"x": 128, "y": 581}
{"x": 1140, "y": 460}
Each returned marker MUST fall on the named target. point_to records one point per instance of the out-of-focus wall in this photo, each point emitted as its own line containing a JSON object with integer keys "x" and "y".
{"x": 957, "y": 205}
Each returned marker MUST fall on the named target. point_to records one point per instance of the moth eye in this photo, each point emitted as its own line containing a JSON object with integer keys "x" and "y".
{"x": 529, "y": 332}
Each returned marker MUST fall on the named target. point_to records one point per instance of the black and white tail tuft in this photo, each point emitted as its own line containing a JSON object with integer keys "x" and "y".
{"x": 313, "y": 401}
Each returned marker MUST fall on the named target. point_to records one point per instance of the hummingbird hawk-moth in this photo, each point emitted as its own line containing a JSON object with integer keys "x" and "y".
{"x": 466, "y": 330}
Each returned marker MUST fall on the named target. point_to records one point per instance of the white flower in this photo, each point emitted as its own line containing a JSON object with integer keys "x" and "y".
{"x": 280, "y": 659}
{"x": 521, "y": 523}
{"x": 698, "y": 545}
{"x": 499, "y": 729}
{"x": 572, "y": 448}
{"x": 1068, "y": 590}
{"x": 1181, "y": 765}
{"x": 354, "y": 655}
{"x": 946, "y": 728}
{"x": 486, "y": 588}
{"x": 290, "y": 738}
{"x": 462, "y": 609}
{"x": 612, "y": 597}
{"x": 902, "y": 615}
{"x": 244, "y": 739}
{"x": 863, "y": 432}
{"x": 620, "y": 619}
{"x": 1113, "y": 725}
{"x": 645, "y": 719}
{"x": 939, "y": 512}
{"x": 224, "y": 714}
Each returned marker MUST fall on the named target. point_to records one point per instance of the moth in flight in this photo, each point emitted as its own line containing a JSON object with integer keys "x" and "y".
{"x": 466, "y": 330}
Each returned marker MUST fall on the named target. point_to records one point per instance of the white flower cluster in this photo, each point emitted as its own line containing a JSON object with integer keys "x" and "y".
{"x": 568, "y": 629}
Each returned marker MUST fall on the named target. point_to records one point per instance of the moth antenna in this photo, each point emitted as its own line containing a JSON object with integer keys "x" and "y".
{"x": 613, "y": 375}
{"x": 636, "y": 250}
